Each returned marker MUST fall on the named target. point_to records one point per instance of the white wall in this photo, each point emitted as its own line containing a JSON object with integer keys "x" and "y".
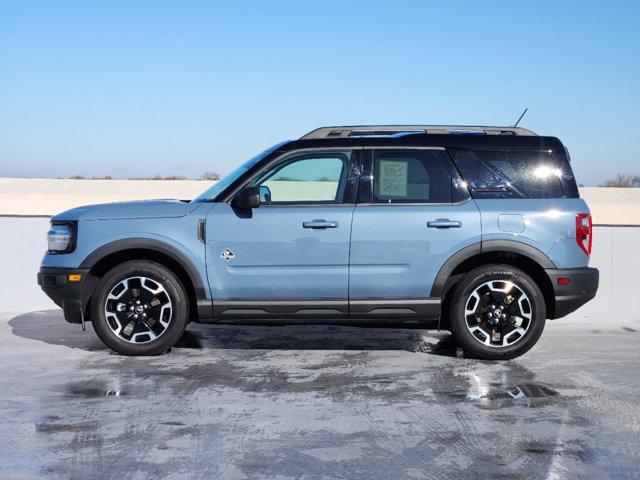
{"x": 616, "y": 252}
{"x": 22, "y": 243}
{"x": 49, "y": 196}
{"x": 41, "y": 196}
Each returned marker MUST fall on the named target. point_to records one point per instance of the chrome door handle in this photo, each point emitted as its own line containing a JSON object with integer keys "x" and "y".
{"x": 318, "y": 223}
{"x": 444, "y": 223}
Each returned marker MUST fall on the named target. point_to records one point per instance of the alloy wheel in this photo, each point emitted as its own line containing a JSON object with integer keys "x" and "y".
{"x": 498, "y": 313}
{"x": 138, "y": 309}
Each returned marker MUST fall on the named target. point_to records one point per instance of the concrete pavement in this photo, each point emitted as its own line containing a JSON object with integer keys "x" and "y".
{"x": 316, "y": 402}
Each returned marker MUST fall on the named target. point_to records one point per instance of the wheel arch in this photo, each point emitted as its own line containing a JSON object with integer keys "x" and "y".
{"x": 106, "y": 257}
{"x": 520, "y": 255}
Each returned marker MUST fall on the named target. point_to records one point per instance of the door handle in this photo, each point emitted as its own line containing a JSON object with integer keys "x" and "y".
{"x": 319, "y": 223}
{"x": 444, "y": 223}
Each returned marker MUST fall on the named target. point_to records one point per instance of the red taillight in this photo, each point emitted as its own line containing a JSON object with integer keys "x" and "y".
{"x": 584, "y": 232}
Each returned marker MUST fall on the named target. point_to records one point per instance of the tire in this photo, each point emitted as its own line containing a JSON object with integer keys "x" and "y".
{"x": 153, "y": 294}
{"x": 484, "y": 293}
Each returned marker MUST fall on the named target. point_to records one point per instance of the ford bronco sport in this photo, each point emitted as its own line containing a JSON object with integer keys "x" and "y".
{"x": 480, "y": 230}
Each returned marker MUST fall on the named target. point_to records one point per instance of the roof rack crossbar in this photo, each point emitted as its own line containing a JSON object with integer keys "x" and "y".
{"x": 387, "y": 130}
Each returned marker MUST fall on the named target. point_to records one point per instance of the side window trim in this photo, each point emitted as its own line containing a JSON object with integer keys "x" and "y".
{"x": 365, "y": 187}
{"x": 349, "y": 187}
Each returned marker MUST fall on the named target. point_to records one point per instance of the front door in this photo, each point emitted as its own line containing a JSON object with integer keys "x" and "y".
{"x": 412, "y": 216}
{"x": 289, "y": 258}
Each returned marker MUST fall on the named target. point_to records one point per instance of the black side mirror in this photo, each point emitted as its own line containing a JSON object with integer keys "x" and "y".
{"x": 247, "y": 198}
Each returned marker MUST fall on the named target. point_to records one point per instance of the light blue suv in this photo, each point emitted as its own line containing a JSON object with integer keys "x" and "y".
{"x": 480, "y": 230}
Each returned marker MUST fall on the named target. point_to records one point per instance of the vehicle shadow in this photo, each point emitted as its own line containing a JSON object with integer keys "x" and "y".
{"x": 49, "y": 326}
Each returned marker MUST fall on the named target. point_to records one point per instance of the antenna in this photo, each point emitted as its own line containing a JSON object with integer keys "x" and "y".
{"x": 516, "y": 124}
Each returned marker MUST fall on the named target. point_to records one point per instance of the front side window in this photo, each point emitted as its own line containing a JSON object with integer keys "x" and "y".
{"x": 216, "y": 190}
{"x": 410, "y": 176}
{"x": 308, "y": 178}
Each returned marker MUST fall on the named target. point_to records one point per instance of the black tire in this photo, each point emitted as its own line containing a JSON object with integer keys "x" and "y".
{"x": 470, "y": 343}
{"x": 175, "y": 292}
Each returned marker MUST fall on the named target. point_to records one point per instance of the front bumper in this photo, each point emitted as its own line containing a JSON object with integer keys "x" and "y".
{"x": 582, "y": 288}
{"x": 71, "y": 296}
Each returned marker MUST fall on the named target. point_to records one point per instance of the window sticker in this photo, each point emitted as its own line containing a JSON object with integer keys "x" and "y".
{"x": 393, "y": 178}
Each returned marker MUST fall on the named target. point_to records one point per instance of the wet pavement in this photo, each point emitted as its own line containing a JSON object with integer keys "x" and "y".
{"x": 318, "y": 402}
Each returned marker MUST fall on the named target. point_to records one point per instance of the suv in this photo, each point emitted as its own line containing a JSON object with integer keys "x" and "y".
{"x": 480, "y": 230}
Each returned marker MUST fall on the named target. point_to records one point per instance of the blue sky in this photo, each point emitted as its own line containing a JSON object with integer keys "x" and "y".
{"x": 143, "y": 88}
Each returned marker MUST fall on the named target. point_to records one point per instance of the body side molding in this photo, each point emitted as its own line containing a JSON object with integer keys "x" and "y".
{"x": 390, "y": 310}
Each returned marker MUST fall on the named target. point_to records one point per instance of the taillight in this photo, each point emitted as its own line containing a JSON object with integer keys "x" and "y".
{"x": 584, "y": 232}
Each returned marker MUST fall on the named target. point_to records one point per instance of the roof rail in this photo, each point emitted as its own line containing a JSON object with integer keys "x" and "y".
{"x": 388, "y": 130}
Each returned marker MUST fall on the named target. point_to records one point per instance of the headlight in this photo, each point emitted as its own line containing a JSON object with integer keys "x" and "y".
{"x": 60, "y": 238}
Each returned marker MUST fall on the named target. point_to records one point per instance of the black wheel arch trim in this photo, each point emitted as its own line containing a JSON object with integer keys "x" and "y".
{"x": 152, "y": 245}
{"x": 440, "y": 283}
{"x": 513, "y": 246}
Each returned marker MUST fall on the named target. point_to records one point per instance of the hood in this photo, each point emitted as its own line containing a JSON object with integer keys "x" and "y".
{"x": 123, "y": 210}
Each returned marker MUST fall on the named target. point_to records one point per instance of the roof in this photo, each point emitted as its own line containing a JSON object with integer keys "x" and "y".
{"x": 398, "y": 130}
{"x": 425, "y": 136}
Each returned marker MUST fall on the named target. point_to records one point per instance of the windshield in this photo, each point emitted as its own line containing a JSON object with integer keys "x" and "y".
{"x": 217, "y": 188}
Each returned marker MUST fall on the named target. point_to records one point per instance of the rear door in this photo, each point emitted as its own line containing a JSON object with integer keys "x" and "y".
{"x": 412, "y": 215}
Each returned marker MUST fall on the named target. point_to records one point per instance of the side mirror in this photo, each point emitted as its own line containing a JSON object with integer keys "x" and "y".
{"x": 247, "y": 198}
{"x": 265, "y": 195}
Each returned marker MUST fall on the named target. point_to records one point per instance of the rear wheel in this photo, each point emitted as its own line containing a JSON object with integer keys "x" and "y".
{"x": 498, "y": 312}
{"x": 139, "y": 308}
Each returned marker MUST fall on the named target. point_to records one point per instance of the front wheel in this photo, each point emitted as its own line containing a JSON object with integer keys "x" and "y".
{"x": 139, "y": 308}
{"x": 498, "y": 312}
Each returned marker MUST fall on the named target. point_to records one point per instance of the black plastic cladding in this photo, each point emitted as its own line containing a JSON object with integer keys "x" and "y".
{"x": 471, "y": 141}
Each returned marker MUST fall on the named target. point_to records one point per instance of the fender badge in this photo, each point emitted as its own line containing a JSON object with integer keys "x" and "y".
{"x": 227, "y": 255}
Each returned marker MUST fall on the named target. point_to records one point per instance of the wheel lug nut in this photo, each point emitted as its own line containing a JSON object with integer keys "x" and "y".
{"x": 492, "y": 307}
{"x": 145, "y": 306}
{"x": 135, "y": 316}
{"x": 131, "y": 308}
{"x": 137, "y": 302}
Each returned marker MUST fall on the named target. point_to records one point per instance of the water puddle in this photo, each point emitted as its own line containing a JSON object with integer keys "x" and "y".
{"x": 92, "y": 389}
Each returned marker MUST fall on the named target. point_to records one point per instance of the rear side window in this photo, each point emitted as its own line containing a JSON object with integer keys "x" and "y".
{"x": 410, "y": 176}
{"x": 509, "y": 174}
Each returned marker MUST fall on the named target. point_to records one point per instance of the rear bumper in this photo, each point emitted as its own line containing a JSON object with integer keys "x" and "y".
{"x": 71, "y": 296}
{"x": 582, "y": 288}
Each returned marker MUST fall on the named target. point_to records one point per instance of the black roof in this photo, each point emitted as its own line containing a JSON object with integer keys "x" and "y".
{"x": 421, "y": 138}
{"x": 388, "y": 130}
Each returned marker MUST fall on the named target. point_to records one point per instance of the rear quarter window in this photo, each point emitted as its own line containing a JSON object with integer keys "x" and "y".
{"x": 509, "y": 174}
